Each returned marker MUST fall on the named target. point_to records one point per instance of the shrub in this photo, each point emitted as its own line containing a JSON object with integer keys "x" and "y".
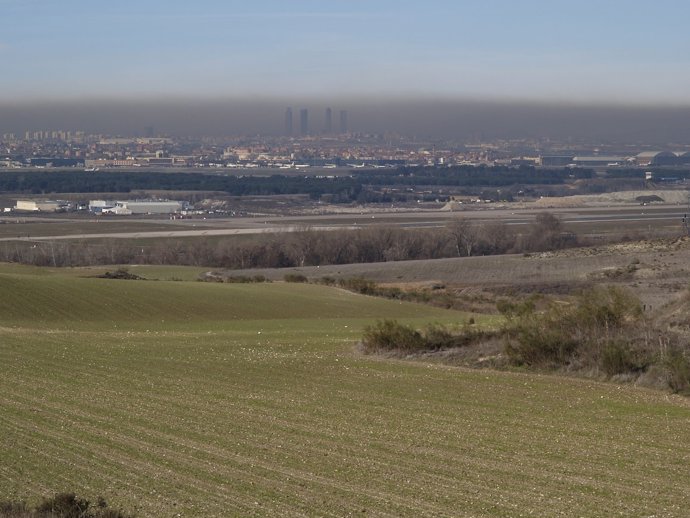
{"x": 388, "y": 335}
{"x": 360, "y": 285}
{"x": 121, "y": 273}
{"x": 62, "y": 505}
{"x": 677, "y": 366}
{"x": 295, "y": 277}
{"x": 539, "y": 345}
{"x": 438, "y": 337}
{"x": 237, "y": 279}
{"x": 514, "y": 310}
{"x": 617, "y": 358}
{"x": 590, "y": 330}
{"x": 12, "y": 509}
{"x": 607, "y": 308}
{"x": 65, "y": 505}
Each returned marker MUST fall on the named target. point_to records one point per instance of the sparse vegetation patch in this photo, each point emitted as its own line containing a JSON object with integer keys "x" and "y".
{"x": 392, "y": 336}
{"x": 122, "y": 274}
{"x": 62, "y": 505}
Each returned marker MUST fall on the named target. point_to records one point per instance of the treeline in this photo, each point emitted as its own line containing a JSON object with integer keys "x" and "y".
{"x": 659, "y": 172}
{"x": 41, "y": 182}
{"x": 342, "y": 189}
{"x": 460, "y": 238}
{"x": 361, "y": 186}
{"x": 475, "y": 176}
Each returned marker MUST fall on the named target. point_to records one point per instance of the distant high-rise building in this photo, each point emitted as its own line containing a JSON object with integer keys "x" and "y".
{"x": 288, "y": 122}
{"x": 148, "y": 131}
{"x": 329, "y": 121}
{"x": 304, "y": 121}
{"x": 343, "y": 121}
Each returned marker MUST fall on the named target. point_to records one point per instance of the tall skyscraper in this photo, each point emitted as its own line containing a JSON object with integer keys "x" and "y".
{"x": 288, "y": 122}
{"x": 304, "y": 121}
{"x": 343, "y": 121}
{"x": 329, "y": 121}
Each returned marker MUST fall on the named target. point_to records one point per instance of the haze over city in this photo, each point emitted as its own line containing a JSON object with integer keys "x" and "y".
{"x": 452, "y": 69}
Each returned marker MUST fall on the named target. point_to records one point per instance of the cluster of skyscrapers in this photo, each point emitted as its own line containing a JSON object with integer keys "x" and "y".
{"x": 304, "y": 129}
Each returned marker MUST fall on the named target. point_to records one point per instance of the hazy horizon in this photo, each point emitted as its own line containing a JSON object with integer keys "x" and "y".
{"x": 449, "y": 119}
{"x": 453, "y": 68}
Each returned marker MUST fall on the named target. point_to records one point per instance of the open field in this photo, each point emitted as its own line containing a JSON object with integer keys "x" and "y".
{"x": 658, "y": 270}
{"x": 196, "y": 399}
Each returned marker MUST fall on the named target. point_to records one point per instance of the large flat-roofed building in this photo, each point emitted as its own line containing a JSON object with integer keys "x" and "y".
{"x": 598, "y": 161}
{"x": 161, "y": 161}
{"x": 98, "y": 206}
{"x": 40, "y": 205}
{"x": 556, "y": 160}
{"x": 127, "y": 207}
{"x": 151, "y": 206}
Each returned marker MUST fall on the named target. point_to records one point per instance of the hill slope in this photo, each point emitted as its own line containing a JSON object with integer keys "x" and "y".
{"x": 255, "y": 403}
{"x": 68, "y": 301}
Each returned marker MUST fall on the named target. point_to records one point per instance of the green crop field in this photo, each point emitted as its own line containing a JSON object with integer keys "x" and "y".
{"x": 193, "y": 399}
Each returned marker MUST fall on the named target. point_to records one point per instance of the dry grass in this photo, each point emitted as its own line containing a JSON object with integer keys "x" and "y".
{"x": 660, "y": 270}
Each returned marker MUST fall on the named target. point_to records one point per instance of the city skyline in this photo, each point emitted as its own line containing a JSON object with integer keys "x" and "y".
{"x": 448, "y": 69}
{"x": 583, "y": 52}
{"x": 453, "y": 120}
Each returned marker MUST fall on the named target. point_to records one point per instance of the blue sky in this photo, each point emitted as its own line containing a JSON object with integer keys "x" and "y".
{"x": 578, "y": 51}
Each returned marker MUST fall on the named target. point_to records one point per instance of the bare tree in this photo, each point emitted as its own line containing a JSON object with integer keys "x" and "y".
{"x": 464, "y": 234}
{"x": 547, "y": 233}
{"x": 495, "y": 238}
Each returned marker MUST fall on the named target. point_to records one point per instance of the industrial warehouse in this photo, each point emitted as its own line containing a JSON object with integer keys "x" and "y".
{"x": 129, "y": 207}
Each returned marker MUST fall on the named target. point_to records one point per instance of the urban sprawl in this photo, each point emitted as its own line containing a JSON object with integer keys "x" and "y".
{"x": 301, "y": 147}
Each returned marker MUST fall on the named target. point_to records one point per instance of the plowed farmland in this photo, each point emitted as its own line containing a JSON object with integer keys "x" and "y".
{"x": 194, "y": 399}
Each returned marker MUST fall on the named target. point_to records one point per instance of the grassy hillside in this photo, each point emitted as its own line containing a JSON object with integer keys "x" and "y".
{"x": 75, "y": 302}
{"x": 237, "y": 400}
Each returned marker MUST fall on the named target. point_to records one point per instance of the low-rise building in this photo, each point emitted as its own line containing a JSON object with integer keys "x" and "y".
{"x": 128, "y": 207}
{"x": 40, "y": 205}
{"x": 556, "y": 160}
{"x": 647, "y": 158}
{"x": 599, "y": 160}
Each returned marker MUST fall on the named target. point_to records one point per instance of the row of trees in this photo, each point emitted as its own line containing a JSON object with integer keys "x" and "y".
{"x": 340, "y": 189}
{"x": 460, "y": 238}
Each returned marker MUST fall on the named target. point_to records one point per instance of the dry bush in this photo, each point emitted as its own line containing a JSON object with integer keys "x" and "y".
{"x": 62, "y": 505}
{"x": 392, "y": 336}
{"x": 595, "y": 330}
{"x": 604, "y": 331}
